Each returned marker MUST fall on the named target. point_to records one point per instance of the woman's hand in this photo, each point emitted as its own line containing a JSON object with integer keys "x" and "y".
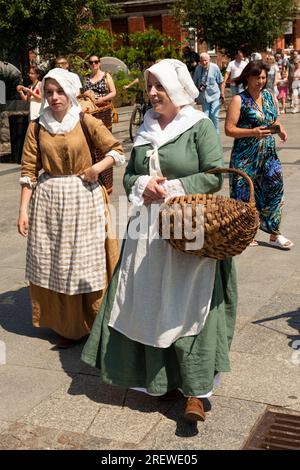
{"x": 260, "y": 132}
{"x": 99, "y": 100}
{"x": 90, "y": 175}
{"x": 23, "y": 223}
{"x": 153, "y": 191}
{"x": 282, "y": 134}
{"x": 21, "y": 88}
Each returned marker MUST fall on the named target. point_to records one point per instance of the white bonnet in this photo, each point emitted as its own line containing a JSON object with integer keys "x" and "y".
{"x": 176, "y": 80}
{"x": 64, "y": 78}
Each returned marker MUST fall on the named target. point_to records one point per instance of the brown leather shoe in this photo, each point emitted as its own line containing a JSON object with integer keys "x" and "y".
{"x": 194, "y": 410}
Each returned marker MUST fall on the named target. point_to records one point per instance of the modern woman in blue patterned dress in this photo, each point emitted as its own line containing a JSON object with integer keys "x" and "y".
{"x": 249, "y": 117}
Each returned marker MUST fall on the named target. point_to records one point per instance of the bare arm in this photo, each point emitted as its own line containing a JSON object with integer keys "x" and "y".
{"x": 223, "y": 84}
{"x": 33, "y": 93}
{"x": 232, "y": 118}
{"x": 277, "y": 78}
{"x": 222, "y": 91}
{"x": 282, "y": 134}
{"x": 26, "y": 92}
{"x": 21, "y": 91}
{"x": 136, "y": 80}
{"x": 26, "y": 193}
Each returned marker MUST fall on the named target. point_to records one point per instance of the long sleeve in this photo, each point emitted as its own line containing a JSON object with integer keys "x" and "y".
{"x": 101, "y": 137}
{"x": 210, "y": 156}
{"x": 130, "y": 176}
{"x": 31, "y": 158}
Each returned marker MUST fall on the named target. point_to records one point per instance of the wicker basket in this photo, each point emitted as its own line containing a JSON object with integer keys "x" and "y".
{"x": 229, "y": 224}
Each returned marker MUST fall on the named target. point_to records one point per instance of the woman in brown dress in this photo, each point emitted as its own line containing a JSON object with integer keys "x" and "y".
{"x": 63, "y": 212}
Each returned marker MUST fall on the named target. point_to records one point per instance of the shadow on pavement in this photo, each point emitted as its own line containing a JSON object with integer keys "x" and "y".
{"x": 15, "y": 317}
{"x": 292, "y": 319}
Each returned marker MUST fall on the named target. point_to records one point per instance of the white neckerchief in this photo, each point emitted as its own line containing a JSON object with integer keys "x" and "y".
{"x": 68, "y": 123}
{"x": 151, "y": 132}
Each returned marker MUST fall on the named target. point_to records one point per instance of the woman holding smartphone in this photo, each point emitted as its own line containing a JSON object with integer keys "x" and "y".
{"x": 251, "y": 120}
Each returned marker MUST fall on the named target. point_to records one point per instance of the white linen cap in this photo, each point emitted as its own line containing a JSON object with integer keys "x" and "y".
{"x": 176, "y": 80}
{"x": 65, "y": 80}
{"x": 46, "y": 119}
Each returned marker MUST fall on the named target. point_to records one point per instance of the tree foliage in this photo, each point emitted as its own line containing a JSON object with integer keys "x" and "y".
{"x": 134, "y": 49}
{"x": 231, "y": 24}
{"x": 97, "y": 41}
{"x": 53, "y": 25}
{"x": 149, "y": 43}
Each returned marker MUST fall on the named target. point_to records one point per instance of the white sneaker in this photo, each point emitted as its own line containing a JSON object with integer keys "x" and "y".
{"x": 295, "y": 110}
{"x": 282, "y": 112}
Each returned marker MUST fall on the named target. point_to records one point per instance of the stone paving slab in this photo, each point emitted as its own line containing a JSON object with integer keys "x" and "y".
{"x": 272, "y": 380}
{"x": 282, "y": 314}
{"x": 4, "y": 425}
{"x": 22, "y": 436}
{"x": 260, "y": 340}
{"x": 74, "y": 406}
{"x": 34, "y": 347}
{"x": 133, "y": 422}
{"x": 221, "y": 429}
{"x": 11, "y": 276}
{"x": 22, "y": 388}
{"x": 40, "y": 351}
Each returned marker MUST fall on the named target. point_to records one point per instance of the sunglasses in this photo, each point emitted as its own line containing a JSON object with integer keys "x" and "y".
{"x": 61, "y": 63}
{"x": 94, "y": 62}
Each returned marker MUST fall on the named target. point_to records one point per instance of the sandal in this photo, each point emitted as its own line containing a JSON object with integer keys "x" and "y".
{"x": 282, "y": 242}
{"x": 253, "y": 243}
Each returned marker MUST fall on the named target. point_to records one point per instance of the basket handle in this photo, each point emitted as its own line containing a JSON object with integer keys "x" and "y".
{"x": 237, "y": 172}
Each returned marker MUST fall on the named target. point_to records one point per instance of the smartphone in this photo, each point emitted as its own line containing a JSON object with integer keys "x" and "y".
{"x": 274, "y": 129}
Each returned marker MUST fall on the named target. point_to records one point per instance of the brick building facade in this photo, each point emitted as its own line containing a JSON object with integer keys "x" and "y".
{"x": 291, "y": 40}
{"x": 138, "y": 15}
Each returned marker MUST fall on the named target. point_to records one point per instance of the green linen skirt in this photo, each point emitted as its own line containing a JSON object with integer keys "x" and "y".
{"x": 190, "y": 363}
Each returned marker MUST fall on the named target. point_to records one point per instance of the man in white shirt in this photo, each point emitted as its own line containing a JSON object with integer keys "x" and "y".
{"x": 234, "y": 70}
{"x": 63, "y": 63}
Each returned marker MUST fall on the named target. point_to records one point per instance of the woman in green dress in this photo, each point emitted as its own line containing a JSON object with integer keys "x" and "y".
{"x": 167, "y": 320}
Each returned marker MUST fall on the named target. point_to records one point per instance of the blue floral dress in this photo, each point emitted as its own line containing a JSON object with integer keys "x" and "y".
{"x": 258, "y": 158}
